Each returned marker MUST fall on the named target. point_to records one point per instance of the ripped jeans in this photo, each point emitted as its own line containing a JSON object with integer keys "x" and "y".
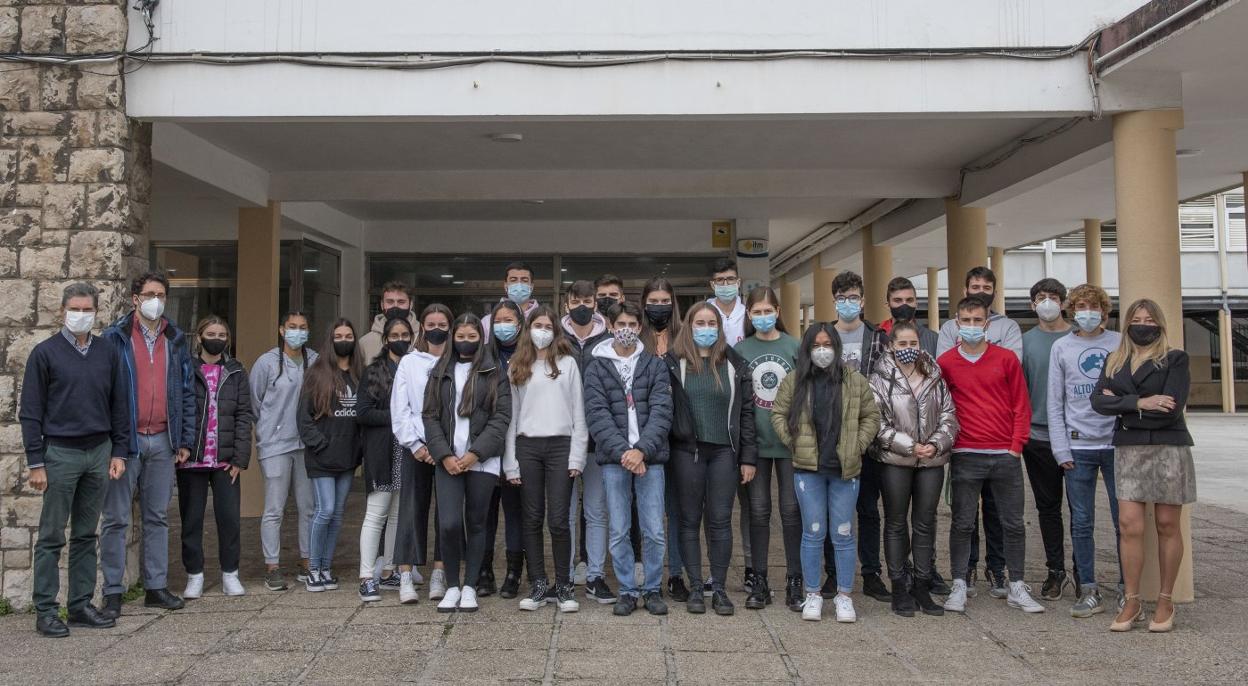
{"x": 827, "y": 502}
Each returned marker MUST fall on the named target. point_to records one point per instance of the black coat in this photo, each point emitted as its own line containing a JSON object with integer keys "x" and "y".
{"x": 372, "y": 412}
{"x": 606, "y": 409}
{"x": 1146, "y": 427}
{"x": 487, "y": 426}
{"x": 233, "y": 414}
{"x": 741, "y": 426}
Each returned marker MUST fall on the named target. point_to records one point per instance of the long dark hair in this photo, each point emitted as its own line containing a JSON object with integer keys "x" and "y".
{"x": 685, "y": 349}
{"x": 379, "y": 376}
{"x": 648, "y": 334}
{"x": 323, "y": 381}
{"x": 504, "y": 305}
{"x": 483, "y": 359}
{"x": 759, "y": 295}
{"x": 805, "y": 371}
{"x": 420, "y": 343}
{"x": 923, "y": 363}
{"x": 520, "y": 370}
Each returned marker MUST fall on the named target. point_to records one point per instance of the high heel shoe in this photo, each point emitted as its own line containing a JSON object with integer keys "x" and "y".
{"x": 1162, "y": 627}
{"x": 1128, "y": 624}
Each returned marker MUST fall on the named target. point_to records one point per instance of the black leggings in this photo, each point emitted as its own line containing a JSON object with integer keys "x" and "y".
{"x": 193, "y": 485}
{"x": 513, "y": 520}
{"x": 415, "y": 495}
{"x": 546, "y": 492}
{"x": 760, "y": 515}
{"x": 463, "y": 502}
{"x": 912, "y": 494}
{"x": 707, "y": 485}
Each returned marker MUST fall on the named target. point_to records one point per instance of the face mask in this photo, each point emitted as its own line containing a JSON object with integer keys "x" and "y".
{"x": 1143, "y": 334}
{"x": 466, "y": 349}
{"x": 542, "y": 338}
{"x": 344, "y": 348}
{"x": 605, "y": 304}
{"x": 822, "y": 357}
{"x": 152, "y": 309}
{"x": 848, "y": 311}
{"x": 903, "y": 313}
{"x": 705, "y": 336}
{"x": 1088, "y": 320}
{"x": 213, "y": 346}
{"x": 625, "y": 337}
{"x": 519, "y": 292}
{"x": 971, "y": 334}
{"x": 295, "y": 338}
{"x": 506, "y": 331}
{"x": 79, "y": 322}
{"x": 726, "y": 293}
{"x": 399, "y": 348}
{"x": 397, "y": 313}
{"x": 436, "y": 336}
{"x": 906, "y": 355}
{"x": 984, "y": 299}
{"x": 659, "y": 316}
{"x": 1048, "y": 310}
{"x": 764, "y": 324}
{"x": 581, "y": 315}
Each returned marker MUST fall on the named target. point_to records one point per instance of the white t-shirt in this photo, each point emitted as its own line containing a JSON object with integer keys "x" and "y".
{"x": 493, "y": 465}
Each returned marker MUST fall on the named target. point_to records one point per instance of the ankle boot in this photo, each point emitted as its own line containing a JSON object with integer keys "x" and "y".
{"x": 760, "y": 592}
{"x": 901, "y": 601}
{"x": 486, "y": 585}
{"x": 921, "y": 591}
{"x": 511, "y": 583}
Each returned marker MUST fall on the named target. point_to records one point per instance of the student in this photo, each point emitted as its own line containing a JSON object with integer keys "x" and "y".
{"x": 396, "y": 303}
{"x": 383, "y": 458}
{"x": 903, "y": 302}
{"x": 712, "y": 443}
{"x": 1043, "y": 473}
{"x": 608, "y": 292}
{"x": 628, "y": 407}
{"x": 163, "y": 421}
{"x": 726, "y": 284}
{"x": 407, "y": 401}
{"x": 518, "y": 284}
{"x": 507, "y": 322}
{"x": 276, "y": 382}
{"x": 545, "y": 449}
{"x": 826, "y": 415}
{"x": 467, "y": 409}
{"x": 1145, "y": 385}
{"x": 994, "y": 420}
{"x": 75, "y": 417}
{"x": 222, "y": 452}
{"x": 917, "y": 429}
{"x": 1081, "y": 438}
{"x": 770, "y": 352}
{"x": 328, "y": 427}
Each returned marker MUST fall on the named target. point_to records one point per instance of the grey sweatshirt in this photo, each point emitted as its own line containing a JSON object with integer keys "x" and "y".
{"x": 1075, "y": 364}
{"x": 1037, "y": 346}
{"x": 548, "y": 407}
{"x": 1002, "y": 331}
{"x": 275, "y": 401}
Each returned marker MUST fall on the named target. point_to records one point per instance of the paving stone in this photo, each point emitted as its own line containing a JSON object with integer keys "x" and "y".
{"x": 486, "y": 667}
{"x": 385, "y": 637}
{"x": 489, "y": 636}
{"x": 620, "y": 666}
{"x": 252, "y": 667}
{"x": 371, "y": 666}
{"x": 279, "y": 638}
{"x": 711, "y": 668}
{"x": 603, "y": 636}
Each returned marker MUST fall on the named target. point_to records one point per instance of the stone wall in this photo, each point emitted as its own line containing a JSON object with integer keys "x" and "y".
{"x": 74, "y": 196}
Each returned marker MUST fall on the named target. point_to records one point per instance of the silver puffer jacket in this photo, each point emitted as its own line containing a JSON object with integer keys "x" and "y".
{"x": 908, "y": 419}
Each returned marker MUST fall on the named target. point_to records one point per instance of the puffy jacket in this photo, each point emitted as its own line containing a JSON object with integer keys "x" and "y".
{"x": 233, "y": 413}
{"x": 606, "y": 408}
{"x": 741, "y": 427}
{"x": 179, "y": 382}
{"x": 908, "y": 418}
{"x": 860, "y": 421}
{"x": 487, "y": 426}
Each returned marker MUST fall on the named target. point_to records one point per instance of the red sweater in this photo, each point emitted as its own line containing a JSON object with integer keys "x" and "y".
{"x": 991, "y": 398}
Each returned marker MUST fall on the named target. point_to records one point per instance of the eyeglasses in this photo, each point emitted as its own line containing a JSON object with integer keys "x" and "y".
{"x": 158, "y": 296}
{"x": 849, "y": 299}
{"x": 725, "y": 280}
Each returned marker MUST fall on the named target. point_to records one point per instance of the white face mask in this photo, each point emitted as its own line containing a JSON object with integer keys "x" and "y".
{"x": 823, "y": 356}
{"x": 542, "y": 338}
{"x": 152, "y": 309}
{"x": 1048, "y": 310}
{"x": 79, "y": 323}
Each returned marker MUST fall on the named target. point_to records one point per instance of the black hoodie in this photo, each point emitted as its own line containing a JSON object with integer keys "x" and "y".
{"x": 333, "y": 441}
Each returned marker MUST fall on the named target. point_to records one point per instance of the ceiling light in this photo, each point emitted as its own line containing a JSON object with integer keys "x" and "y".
{"x": 1188, "y": 152}
{"x": 311, "y": 271}
{"x": 458, "y": 283}
{"x": 534, "y": 202}
{"x": 563, "y": 269}
{"x": 506, "y": 137}
{"x": 448, "y": 276}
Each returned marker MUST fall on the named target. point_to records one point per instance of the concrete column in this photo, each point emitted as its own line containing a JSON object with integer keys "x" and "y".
{"x": 825, "y": 306}
{"x": 259, "y": 233}
{"x": 754, "y": 271}
{"x": 1225, "y": 348}
{"x": 877, "y": 270}
{"x": 997, "y": 265}
{"x": 1092, "y": 251}
{"x": 1146, "y": 194}
{"x": 791, "y": 306}
{"x": 933, "y": 298}
{"x": 966, "y": 245}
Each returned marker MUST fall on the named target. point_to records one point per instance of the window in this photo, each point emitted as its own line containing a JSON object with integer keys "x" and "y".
{"x": 1196, "y": 225}
{"x": 1236, "y": 240}
{"x": 201, "y": 280}
{"x": 1075, "y": 241}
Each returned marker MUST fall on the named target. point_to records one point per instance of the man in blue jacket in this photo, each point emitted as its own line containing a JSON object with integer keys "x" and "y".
{"x": 160, "y": 380}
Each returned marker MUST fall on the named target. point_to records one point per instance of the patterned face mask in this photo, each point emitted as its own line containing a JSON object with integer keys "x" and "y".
{"x": 906, "y": 355}
{"x": 625, "y": 337}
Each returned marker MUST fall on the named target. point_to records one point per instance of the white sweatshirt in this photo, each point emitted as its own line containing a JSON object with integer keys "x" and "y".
{"x": 407, "y": 399}
{"x": 545, "y": 407}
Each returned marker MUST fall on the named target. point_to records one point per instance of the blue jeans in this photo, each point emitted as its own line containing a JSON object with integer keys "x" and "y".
{"x": 827, "y": 502}
{"x": 1081, "y": 492}
{"x": 330, "y": 495}
{"x": 591, "y": 497}
{"x": 618, "y": 484}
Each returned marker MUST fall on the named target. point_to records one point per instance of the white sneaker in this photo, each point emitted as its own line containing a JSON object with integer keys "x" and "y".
{"x": 450, "y": 601}
{"x": 956, "y": 602}
{"x": 1020, "y": 597}
{"x": 812, "y": 609}
{"x": 417, "y": 579}
{"x": 581, "y": 574}
{"x": 407, "y": 589}
{"x": 230, "y": 584}
{"x": 845, "y": 609}
{"x": 437, "y": 584}
{"x": 194, "y": 586}
{"x": 467, "y": 599}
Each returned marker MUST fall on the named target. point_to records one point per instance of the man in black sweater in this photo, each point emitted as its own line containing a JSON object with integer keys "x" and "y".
{"x": 75, "y": 417}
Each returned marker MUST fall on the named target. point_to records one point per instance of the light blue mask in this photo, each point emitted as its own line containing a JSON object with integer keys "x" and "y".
{"x": 848, "y": 311}
{"x": 295, "y": 338}
{"x": 764, "y": 324}
{"x": 726, "y": 293}
{"x": 705, "y": 337}
{"x": 971, "y": 334}
{"x": 519, "y": 293}
{"x": 506, "y": 331}
{"x": 1088, "y": 320}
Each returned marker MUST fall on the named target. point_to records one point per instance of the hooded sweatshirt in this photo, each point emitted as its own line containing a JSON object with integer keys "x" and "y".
{"x": 734, "y": 321}
{"x": 407, "y": 399}
{"x": 624, "y": 366}
{"x": 1075, "y": 364}
{"x": 371, "y": 343}
{"x": 276, "y": 381}
{"x": 1002, "y": 331}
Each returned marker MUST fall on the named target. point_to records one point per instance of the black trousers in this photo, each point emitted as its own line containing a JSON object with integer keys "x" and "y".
{"x": 868, "y": 519}
{"x": 707, "y": 486}
{"x": 910, "y": 499}
{"x": 463, "y": 501}
{"x": 994, "y": 536}
{"x": 546, "y": 493}
{"x": 411, "y": 541}
{"x": 193, "y": 486}
{"x": 508, "y": 497}
{"x": 1047, "y": 483}
{"x": 760, "y": 515}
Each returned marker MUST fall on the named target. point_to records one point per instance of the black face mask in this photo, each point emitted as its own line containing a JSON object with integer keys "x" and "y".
{"x": 437, "y": 336}
{"x": 903, "y": 313}
{"x": 466, "y": 349}
{"x": 344, "y": 348}
{"x": 399, "y": 348}
{"x": 1143, "y": 334}
{"x": 397, "y": 313}
{"x": 984, "y": 299}
{"x": 213, "y": 346}
{"x": 659, "y": 316}
{"x": 581, "y": 314}
{"x": 605, "y": 304}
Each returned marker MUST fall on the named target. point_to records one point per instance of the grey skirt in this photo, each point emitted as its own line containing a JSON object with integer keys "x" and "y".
{"x": 1162, "y": 474}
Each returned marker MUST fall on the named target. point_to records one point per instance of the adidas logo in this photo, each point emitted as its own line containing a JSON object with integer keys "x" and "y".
{"x": 346, "y": 401}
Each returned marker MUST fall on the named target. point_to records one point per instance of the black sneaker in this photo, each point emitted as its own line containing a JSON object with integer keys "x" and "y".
{"x": 487, "y": 585}
{"x": 794, "y": 594}
{"x": 625, "y": 606}
{"x": 873, "y": 586}
{"x": 1053, "y": 585}
{"x": 565, "y": 594}
{"x": 997, "y": 586}
{"x": 654, "y": 603}
{"x": 749, "y": 580}
{"x": 828, "y": 591}
{"x": 328, "y": 580}
{"x": 390, "y": 583}
{"x": 937, "y": 584}
{"x": 312, "y": 582}
{"x": 370, "y": 590}
{"x": 696, "y": 605}
{"x": 598, "y": 590}
{"x": 274, "y": 580}
{"x": 538, "y": 596}
{"x": 722, "y": 604}
{"x": 760, "y": 594}
{"x": 676, "y": 589}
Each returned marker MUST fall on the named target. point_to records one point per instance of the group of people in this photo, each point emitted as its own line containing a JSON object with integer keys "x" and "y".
{"x": 631, "y": 423}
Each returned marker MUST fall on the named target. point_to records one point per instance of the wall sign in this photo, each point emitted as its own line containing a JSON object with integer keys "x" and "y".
{"x": 752, "y": 247}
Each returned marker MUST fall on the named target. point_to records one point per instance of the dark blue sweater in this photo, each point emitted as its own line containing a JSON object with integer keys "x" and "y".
{"x": 68, "y": 396}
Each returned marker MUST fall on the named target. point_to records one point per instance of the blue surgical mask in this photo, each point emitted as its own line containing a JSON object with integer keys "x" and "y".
{"x": 705, "y": 337}
{"x": 848, "y": 310}
{"x": 506, "y": 331}
{"x": 726, "y": 293}
{"x": 295, "y": 338}
{"x": 971, "y": 334}
{"x": 1088, "y": 320}
{"x": 764, "y": 324}
{"x": 519, "y": 293}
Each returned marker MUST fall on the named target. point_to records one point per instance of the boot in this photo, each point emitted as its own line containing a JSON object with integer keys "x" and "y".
{"x": 486, "y": 584}
{"x": 794, "y": 594}
{"x": 922, "y": 593}
{"x": 511, "y": 583}
{"x": 902, "y": 602}
{"x": 760, "y": 592}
